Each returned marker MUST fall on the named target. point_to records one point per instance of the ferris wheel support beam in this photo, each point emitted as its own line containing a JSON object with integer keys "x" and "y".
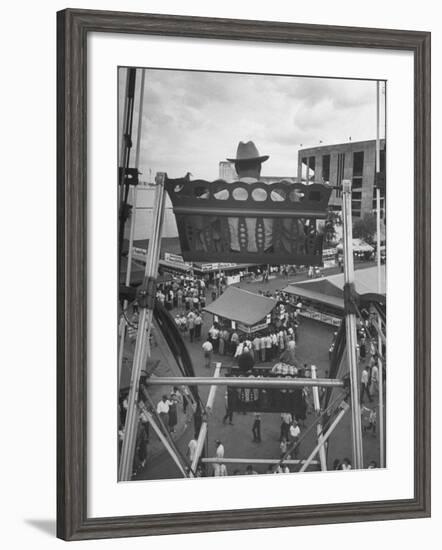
{"x": 146, "y": 304}
{"x": 350, "y": 323}
{"x": 203, "y": 430}
{"x": 245, "y": 382}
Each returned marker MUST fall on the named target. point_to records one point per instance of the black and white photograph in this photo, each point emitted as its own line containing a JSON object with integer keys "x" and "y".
{"x": 251, "y": 268}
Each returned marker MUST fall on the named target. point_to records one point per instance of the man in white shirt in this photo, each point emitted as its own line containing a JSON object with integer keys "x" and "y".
{"x": 214, "y": 337}
{"x": 256, "y": 347}
{"x": 191, "y": 448}
{"x": 374, "y": 379}
{"x": 263, "y": 348}
{"x": 219, "y": 453}
{"x": 268, "y": 352}
{"x": 163, "y": 409}
{"x": 364, "y": 386}
{"x": 208, "y": 352}
{"x": 286, "y": 420}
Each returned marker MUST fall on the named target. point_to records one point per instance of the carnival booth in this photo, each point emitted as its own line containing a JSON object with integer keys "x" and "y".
{"x": 243, "y": 311}
{"x": 323, "y": 299}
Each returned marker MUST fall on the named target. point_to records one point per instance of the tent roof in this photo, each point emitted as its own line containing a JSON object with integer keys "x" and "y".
{"x": 241, "y": 306}
{"x": 366, "y": 280}
{"x": 359, "y": 245}
{"x": 329, "y": 290}
{"x": 314, "y": 294}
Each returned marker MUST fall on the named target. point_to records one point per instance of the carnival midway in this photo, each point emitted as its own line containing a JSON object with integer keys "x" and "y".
{"x": 249, "y": 344}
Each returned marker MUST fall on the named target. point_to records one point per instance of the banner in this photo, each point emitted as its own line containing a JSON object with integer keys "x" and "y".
{"x": 323, "y": 317}
{"x": 267, "y": 400}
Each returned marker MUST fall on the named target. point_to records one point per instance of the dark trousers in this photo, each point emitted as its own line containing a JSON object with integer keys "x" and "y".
{"x": 364, "y": 390}
{"x": 228, "y": 416}
{"x": 285, "y": 431}
{"x": 192, "y": 334}
{"x": 256, "y": 430}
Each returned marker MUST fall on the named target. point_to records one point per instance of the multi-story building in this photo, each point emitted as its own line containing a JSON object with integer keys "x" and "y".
{"x": 355, "y": 161}
{"x": 227, "y": 171}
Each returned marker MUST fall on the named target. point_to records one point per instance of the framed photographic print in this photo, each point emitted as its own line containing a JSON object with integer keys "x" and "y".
{"x": 243, "y": 274}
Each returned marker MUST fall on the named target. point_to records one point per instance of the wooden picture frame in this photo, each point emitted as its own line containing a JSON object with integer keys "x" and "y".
{"x": 73, "y": 27}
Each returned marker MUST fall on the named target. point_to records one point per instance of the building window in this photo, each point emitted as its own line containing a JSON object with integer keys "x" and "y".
{"x": 326, "y": 168}
{"x": 356, "y": 183}
{"x": 358, "y": 163}
{"x": 311, "y": 169}
{"x": 308, "y": 168}
{"x": 382, "y": 201}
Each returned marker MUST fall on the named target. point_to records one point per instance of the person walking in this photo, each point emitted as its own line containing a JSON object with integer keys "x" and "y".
{"x": 163, "y": 410}
{"x": 256, "y": 428}
{"x": 374, "y": 380}
{"x": 191, "y": 448}
{"x": 229, "y": 413}
{"x": 191, "y": 325}
{"x": 218, "y": 469}
{"x": 262, "y": 347}
{"x": 256, "y": 347}
{"x": 198, "y": 325}
{"x": 364, "y": 386}
{"x": 245, "y": 361}
{"x": 173, "y": 412}
{"x": 286, "y": 420}
{"x": 234, "y": 340}
{"x": 208, "y": 352}
{"x": 214, "y": 337}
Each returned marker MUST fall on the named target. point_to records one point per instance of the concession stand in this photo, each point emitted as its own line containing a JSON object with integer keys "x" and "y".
{"x": 323, "y": 299}
{"x": 243, "y": 311}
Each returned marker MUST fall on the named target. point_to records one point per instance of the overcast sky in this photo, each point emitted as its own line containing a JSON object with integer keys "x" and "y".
{"x": 192, "y": 120}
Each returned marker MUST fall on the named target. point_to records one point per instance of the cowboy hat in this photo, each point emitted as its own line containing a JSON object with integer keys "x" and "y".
{"x": 248, "y": 151}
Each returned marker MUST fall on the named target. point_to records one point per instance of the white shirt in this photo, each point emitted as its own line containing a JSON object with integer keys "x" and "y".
{"x": 364, "y": 377}
{"x": 207, "y": 346}
{"x": 192, "y": 448}
{"x": 163, "y": 407}
{"x": 295, "y": 431}
{"x": 239, "y": 349}
{"x": 220, "y": 451}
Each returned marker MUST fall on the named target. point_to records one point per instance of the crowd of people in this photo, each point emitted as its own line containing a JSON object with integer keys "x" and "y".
{"x": 274, "y": 347}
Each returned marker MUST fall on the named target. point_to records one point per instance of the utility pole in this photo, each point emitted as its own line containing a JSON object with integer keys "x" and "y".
{"x": 350, "y": 323}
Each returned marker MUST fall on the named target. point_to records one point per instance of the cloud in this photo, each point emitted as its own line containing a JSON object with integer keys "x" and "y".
{"x": 192, "y": 120}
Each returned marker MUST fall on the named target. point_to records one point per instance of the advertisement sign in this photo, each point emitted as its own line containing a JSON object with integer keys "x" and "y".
{"x": 323, "y": 317}
{"x": 139, "y": 254}
{"x": 174, "y": 258}
{"x": 217, "y": 266}
{"x": 254, "y": 328}
{"x": 329, "y": 257}
{"x": 233, "y": 279}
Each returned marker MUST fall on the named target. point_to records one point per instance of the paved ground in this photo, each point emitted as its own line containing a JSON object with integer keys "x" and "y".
{"x": 313, "y": 345}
